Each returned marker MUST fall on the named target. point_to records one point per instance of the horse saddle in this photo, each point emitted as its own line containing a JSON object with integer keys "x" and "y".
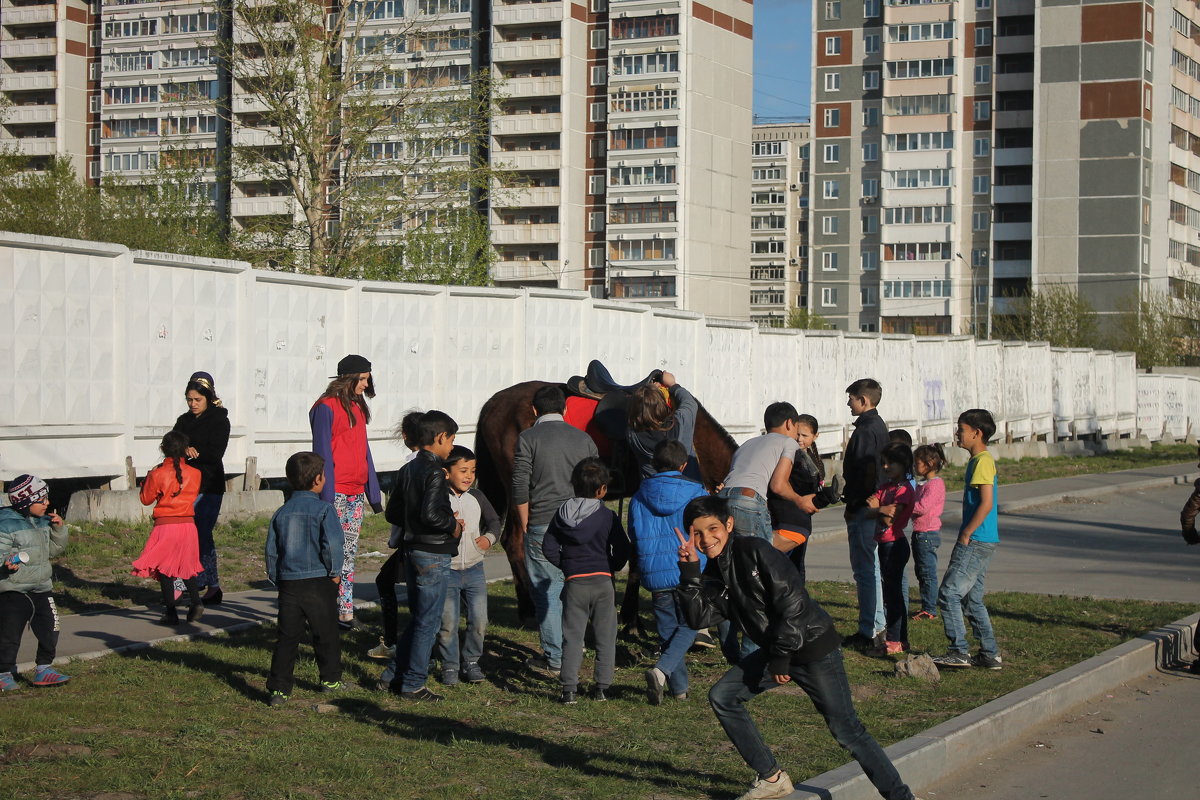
{"x": 598, "y": 382}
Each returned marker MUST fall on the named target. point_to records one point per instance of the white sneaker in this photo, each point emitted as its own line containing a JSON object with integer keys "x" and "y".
{"x": 763, "y": 789}
{"x": 382, "y": 651}
{"x": 656, "y": 683}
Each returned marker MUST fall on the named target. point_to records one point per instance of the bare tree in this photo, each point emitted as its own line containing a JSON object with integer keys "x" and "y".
{"x": 806, "y": 320}
{"x": 1053, "y": 313}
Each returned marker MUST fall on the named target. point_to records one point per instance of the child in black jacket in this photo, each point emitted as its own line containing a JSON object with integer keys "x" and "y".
{"x": 748, "y": 581}
{"x": 586, "y": 541}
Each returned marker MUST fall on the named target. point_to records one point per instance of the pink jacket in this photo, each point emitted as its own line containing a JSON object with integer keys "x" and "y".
{"x": 931, "y": 500}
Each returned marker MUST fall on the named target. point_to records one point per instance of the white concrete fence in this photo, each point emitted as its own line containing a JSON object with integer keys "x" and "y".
{"x": 98, "y": 343}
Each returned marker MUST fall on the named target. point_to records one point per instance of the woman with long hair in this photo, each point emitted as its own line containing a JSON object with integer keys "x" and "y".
{"x": 339, "y": 421}
{"x": 206, "y": 424}
{"x": 659, "y": 411}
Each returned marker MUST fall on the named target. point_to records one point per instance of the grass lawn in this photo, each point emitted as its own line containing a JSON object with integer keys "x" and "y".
{"x": 1038, "y": 469}
{"x": 188, "y": 720}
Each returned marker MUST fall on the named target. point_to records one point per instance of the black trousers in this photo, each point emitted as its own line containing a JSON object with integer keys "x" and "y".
{"x": 309, "y": 603}
{"x": 389, "y": 608}
{"x": 35, "y": 609}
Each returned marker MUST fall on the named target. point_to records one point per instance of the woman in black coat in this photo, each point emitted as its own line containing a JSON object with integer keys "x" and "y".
{"x": 206, "y": 424}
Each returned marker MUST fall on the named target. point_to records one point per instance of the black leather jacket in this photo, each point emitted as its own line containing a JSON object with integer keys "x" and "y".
{"x": 420, "y": 505}
{"x": 756, "y": 586}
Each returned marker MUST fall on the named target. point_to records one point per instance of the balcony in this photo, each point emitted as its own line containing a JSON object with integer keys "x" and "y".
{"x": 26, "y": 115}
{"x": 262, "y": 206}
{"x": 28, "y": 15}
{"x": 526, "y": 196}
{"x": 35, "y": 146}
{"x": 1012, "y": 119}
{"x": 249, "y": 103}
{"x": 1006, "y": 231}
{"x": 922, "y": 12}
{"x": 255, "y": 137}
{"x": 28, "y": 81}
{"x": 528, "y": 233}
{"x": 1013, "y": 44}
{"x": 543, "y": 50}
{"x": 30, "y": 48}
{"x": 533, "y": 87}
{"x": 510, "y": 124}
{"x": 527, "y": 159}
{"x": 1013, "y": 81}
{"x": 1012, "y": 156}
{"x": 1022, "y": 193}
{"x": 527, "y": 270}
{"x": 527, "y": 13}
{"x": 1012, "y": 269}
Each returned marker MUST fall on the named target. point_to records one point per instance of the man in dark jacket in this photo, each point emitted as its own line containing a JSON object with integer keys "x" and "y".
{"x": 750, "y": 582}
{"x": 864, "y": 473}
{"x": 1187, "y": 521}
{"x": 420, "y": 506}
{"x": 542, "y": 464}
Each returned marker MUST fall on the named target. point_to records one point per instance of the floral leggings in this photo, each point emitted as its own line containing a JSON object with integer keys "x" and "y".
{"x": 350, "y": 513}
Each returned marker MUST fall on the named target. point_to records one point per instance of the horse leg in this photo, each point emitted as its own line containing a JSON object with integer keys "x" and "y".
{"x": 514, "y": 548}
{"x": 630, "y": 616}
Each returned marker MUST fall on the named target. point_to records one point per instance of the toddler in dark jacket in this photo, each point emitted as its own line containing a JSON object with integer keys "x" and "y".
{"x": 586, "y": 541}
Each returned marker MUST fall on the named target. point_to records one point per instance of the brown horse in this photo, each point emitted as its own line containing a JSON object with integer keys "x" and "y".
{"x": 501, "y": 421}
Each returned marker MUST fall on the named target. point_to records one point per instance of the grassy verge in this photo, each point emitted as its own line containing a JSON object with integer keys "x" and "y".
{"x": 188, "y": 720}
{"x": 1039, "y": 469}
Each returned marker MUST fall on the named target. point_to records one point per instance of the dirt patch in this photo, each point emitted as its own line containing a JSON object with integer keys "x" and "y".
{"x": 26, "y": 752}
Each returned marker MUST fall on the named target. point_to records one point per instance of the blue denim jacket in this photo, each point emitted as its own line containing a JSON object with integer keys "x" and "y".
{"x": 304, "y": 540}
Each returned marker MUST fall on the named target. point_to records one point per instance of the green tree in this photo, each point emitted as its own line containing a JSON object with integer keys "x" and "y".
{"x": 1160, "y": 328}
{"x": 1053, "y": 313}
{"x": 806, "y": 320}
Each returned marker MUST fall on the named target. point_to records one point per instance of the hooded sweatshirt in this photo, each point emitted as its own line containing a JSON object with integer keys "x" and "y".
{"x": 654, "y": 514}
{"x": 585, "y": 538}
{"x": 35, "y": 536}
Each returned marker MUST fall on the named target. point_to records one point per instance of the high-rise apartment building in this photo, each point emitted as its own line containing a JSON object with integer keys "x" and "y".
{"x": 778, "y": 222}
{"x": 622, "y": 138}
{"x": 965, "y": 153}
{"x": 625, "y": 131}
{"x": 48, "y": 78}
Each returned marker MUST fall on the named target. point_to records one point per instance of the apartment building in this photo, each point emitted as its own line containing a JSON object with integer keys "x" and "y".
{"x": 778, "y": 222}
{"x": 626, "y": 135}
{"x": 966, "y": 153}
{"x": 47, "y": 75}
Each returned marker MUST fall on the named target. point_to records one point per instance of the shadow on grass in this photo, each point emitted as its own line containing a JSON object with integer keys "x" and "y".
{"x": 121, "y": 594}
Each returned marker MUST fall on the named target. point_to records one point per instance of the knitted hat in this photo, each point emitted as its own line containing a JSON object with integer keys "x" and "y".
{"x": 27, "y": 490}
{"x": 353, "y": 365}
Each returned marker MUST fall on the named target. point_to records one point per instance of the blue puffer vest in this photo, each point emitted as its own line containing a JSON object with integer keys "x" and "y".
{"x": 654, "y": 514}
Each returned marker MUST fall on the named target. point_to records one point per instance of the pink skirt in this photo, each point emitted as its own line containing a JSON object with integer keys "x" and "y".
{"x": 173, "y": 551}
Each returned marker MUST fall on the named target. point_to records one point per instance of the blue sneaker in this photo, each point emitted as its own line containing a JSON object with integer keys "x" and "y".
{"x": 8, "y": 682}
{"x": 49, "y": 676}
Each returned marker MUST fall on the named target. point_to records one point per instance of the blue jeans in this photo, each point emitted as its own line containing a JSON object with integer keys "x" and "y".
{"x": 925, "y": 545}
{"x": 893, "y": 558}
{"x": 750, "y": 514}
{"x": 427, "y": 576}
{"x": 825, "y": 683}
{"x": 546, "y": 587}
{"x": 962, "y": 590}
{"x": 467, "y": 586}
{"x": 864, "y": 563}
{"x": 676, "y": 638}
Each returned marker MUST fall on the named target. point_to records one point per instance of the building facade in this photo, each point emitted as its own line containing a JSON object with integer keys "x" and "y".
{"x": 778, "y": 222}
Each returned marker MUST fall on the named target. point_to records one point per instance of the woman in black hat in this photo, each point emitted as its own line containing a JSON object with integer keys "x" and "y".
{"x": 206, "y": 423}
{"x": 339, "y": 427}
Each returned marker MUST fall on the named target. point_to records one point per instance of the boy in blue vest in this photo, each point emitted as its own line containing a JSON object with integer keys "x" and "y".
{"x": 655, "y": 513}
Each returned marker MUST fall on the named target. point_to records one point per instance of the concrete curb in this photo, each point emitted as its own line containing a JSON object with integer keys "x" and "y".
{"x": 957, "y": 743}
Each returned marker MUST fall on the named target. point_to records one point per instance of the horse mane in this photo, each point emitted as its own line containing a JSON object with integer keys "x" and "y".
{"x": 729, "y": 441}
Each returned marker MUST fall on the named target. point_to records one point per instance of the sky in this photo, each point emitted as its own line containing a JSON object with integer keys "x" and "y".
{"x": 782, "y": 58}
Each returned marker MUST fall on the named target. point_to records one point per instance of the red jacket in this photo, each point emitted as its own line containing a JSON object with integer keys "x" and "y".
{"x": 160, "y": 486}
{"x": 349, "y": 469}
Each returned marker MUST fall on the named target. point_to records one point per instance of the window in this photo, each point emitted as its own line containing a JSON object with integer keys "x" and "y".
{"x": 833, "y": 117}
{"x": 599, "y": 76}
{"x": 983, "y": 146}
{"x": 643, "y": 138}
{"x": 129, "y": 28}
{"x": 979, "y": 221}
{"x": 833, "y": 9}
{"x": 130, "y": 128}
{"x": 596, "y": 184}
{"x": 917, "y": 251}
{"x": 870, "y": 223}
{"x": 769, "y": 247}
{"x": 868, "y": 327}
{"x": 903, "y": 142}
{"x": 870, "y": 116}
{"x": 599, "y": 38}
{"x": 920, "y": 68}
{"x": 982, "y": 110}
{"x": 868, "y": 296}
{"x": 829, "y": 224}
{"x": 595, "y": 221}
{"x": 833, "y": 45}
{"x": 831, "y": 189}
{"x": 829, "y": 296}
{"x": 599, "y": 6}
{"x": 766, "y": 174}
{"x": 640, "y": 213}
{"x": 768, "y": 198}
{"x": 832, "y": 153}
{"x": 595, "y": 257}
{"x": 870, "y": 79}
{"x": 923, "y": 288}
{"x": 646, "y": 64}
{"x": 980, "y": 184}
{"x": 129, "y": 62}
{"x": 918, "y": 215}
{"x": 920, "y": 32}
{"x": 94, "y": 136}
{"x": 443, "y": 6}
{"x": 829, "y": 261}
{"x": 871, "y": 43}
{"x": 641, "y": 250}
{"x": 983, "y": 73}
{"x": 648, "y": 175}
{"x": 769, "y": 222}
{"x": 917, "y": 178}
{"x": 647, "y": 100}
{"x": 833, "y": 81}
{"x": 979, "y": 258}
{"x": 94, "y": 103}
{"x": 870, "y": 187}
{"x": 377, "y": 9}
{"x": 645, "y": 27}
{"x": 596, "y": 112}
{"x": 870, "y": 8}
{"x": 983, "y": 4}
{"x": 983, "y": 36}
{"x": 917, "y": 104}
{"x": 127, "y": 95}
{"x": 870, "y": 151}
{"x": 192, "y": 23}
{"x": 767, "y": 148}
{"x": 869, "y": 260}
